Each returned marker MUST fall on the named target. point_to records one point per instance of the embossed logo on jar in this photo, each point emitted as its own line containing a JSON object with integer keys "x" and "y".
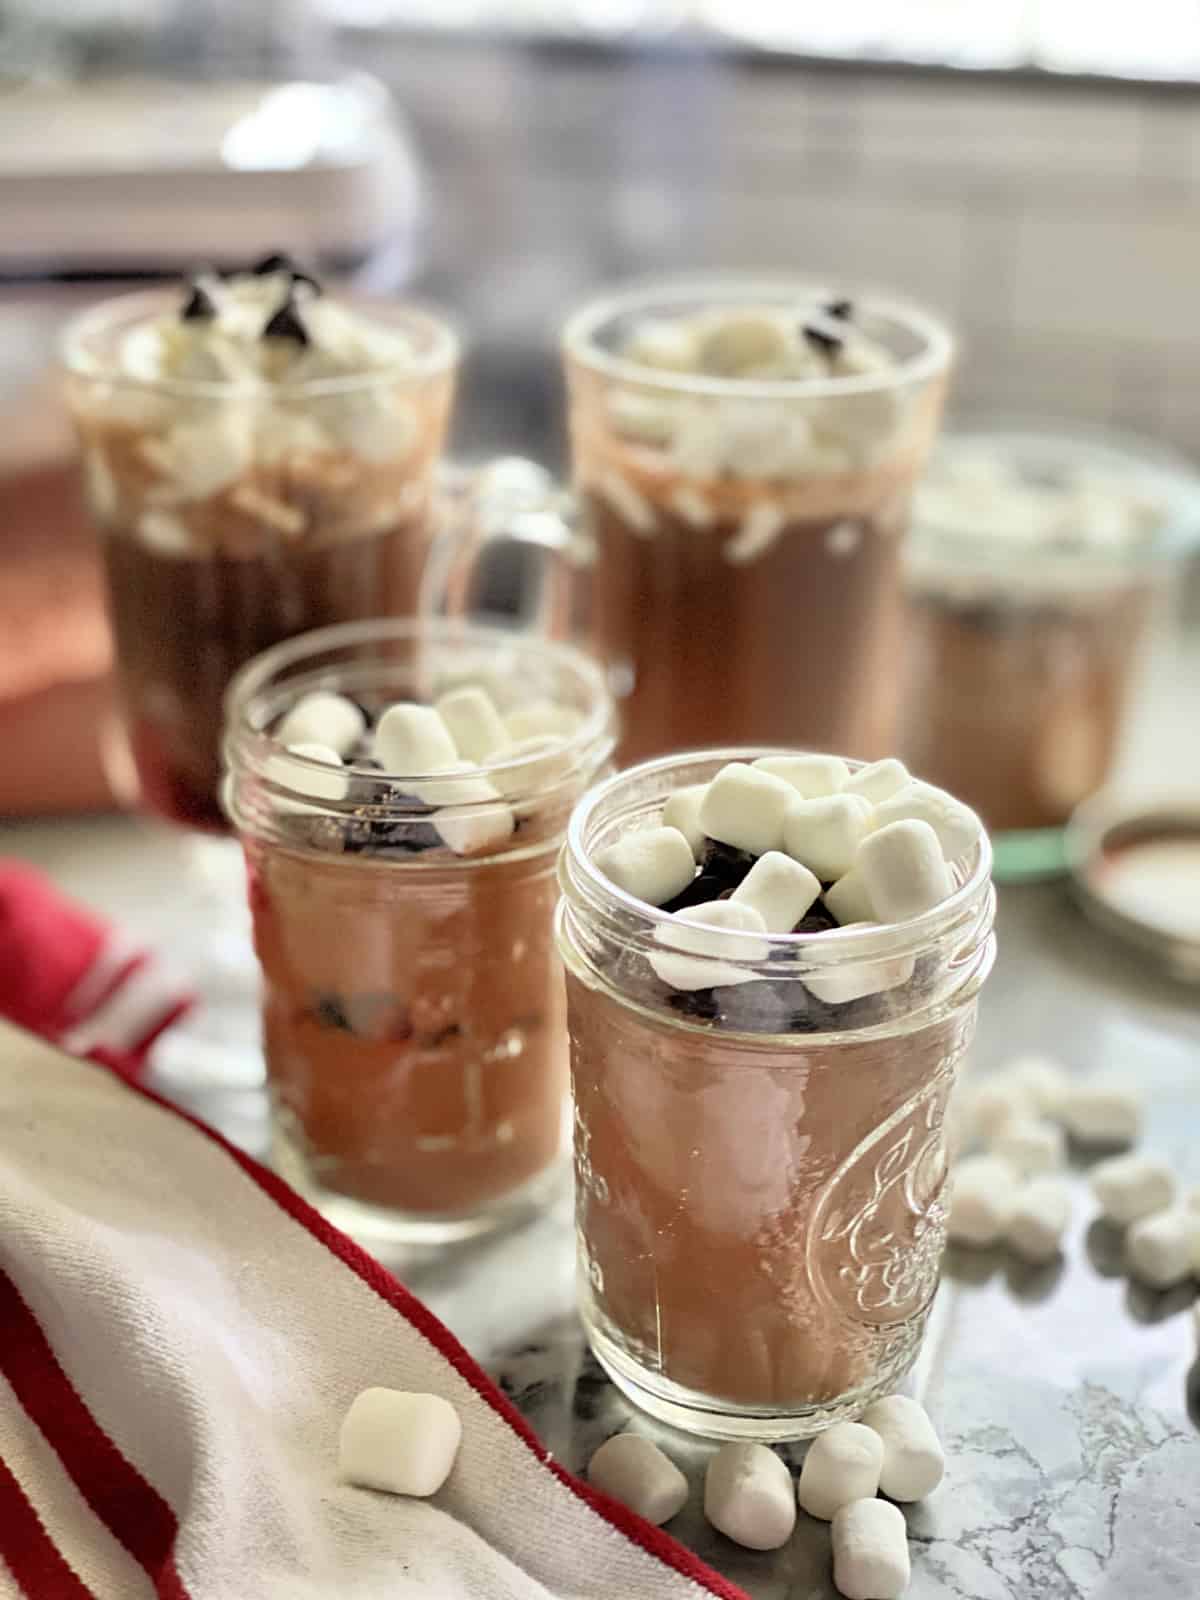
{"x": 879, "y": 1226}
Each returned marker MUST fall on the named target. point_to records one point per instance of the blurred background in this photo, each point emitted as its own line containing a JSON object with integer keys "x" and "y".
{"x": 1031, "y": 169}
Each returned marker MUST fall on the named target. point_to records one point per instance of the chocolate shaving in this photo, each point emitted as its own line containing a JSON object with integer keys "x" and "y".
{"x": 841, "y": 310}
{"x": 199, "y": 306}
{"x": 286, "y": 324}
{"x": 824, "y": 338}
{"x": 273, "y": 263}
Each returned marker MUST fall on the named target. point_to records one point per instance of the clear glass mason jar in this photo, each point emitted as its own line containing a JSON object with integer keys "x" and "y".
{"x": 413, "y": 1000}
{"x": 761, "y": 1167}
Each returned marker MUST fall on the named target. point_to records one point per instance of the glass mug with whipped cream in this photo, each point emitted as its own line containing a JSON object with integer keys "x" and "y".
{"x": 260, "y": 459}
{"x": 401, "y": 790}
{"x": 1037, "y": 554}
{"x": 773, "y": 965}
{"x": 744, "y": 453}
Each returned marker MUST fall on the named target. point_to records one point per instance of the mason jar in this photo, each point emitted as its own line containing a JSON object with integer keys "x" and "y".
{"x": 760, "y": 1167}
{"x": 413, "y": 1021}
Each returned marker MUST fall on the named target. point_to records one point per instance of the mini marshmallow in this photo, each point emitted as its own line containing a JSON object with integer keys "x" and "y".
{"x": 412, "y": 739}
{"x": 779, "y": 889}
{"x": 748, "y": 1496}
{"x": 1039, "y": 1219}
{"x": 318, "y": 785}
{"x": 652, "y": 864}
{"x": 997, "y": 1103}
{"x": 399, "y": 1442}
{"x": 825, "y": 833}
{"x": 542, "y": 719}
{"x": 983, "y": 1194}
{"x": 635, "y": 1471}
{"x": 745, "y": 807}
{"x": 1164, "y": 1249}
{"x": 845, "y": 983}
{"x": 529, "y": 765}
{"x": 913, "y": 1460}
{"x": 848, "y": 900}
{"x": 870, "y": 1551}
{"x": 957, "y": 827}
{"x": 703, "y": 931}
{"x": 1031, "y": 1146}
{"x": 1043, "y": 1080}
{"x": 323, "y": 718}
{"x": 810, "y": 776}
{"x": 469, "y": 833}
{"x": 473, "y": 722}
{"x": 903, "y": 870}
{"x": 842, "y": 1464}
{"x": 682, "y": 811}
{"x": 1103, "y": 1110}
{"x": 879, "y": 780}
{"x": 1131, "y": 1187}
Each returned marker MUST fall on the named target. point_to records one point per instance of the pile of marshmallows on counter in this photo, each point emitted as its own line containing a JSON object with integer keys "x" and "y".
{"x": 449, "y": 741}
{"x": 1011, "y": 1191}
{"x": 407, "y": 1443}
{"x": 874, "y": 846}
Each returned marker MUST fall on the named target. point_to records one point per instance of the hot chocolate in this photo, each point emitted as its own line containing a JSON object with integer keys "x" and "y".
{"x": 259, "y": 460}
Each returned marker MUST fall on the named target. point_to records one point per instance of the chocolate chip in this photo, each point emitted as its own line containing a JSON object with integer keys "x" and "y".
{"x": 277, "y": 262}
{"x": 726, "y": 863}
{"x": 701, "y": 1005}
{"x": 842, "y": 310}
{"x": 817, "y": 919}
{"x": 703, "y": 888}
{"x": 330, "y": 1012}
{"x": 286, "y": 324}
{"x": 198, "y": 307}
{"x": 827, "y": 341}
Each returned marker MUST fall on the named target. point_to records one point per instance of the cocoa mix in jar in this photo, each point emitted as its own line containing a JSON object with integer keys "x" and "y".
{"x": 259, "y": 460}
{"x": 745, "y": 469}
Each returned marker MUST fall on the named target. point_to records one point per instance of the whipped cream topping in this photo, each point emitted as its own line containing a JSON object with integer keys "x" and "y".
{"x": 976, "y": 493}
{"x": 271, "y": 326}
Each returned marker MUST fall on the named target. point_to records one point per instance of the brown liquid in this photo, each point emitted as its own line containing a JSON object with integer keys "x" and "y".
{"x": 183, "y": 627}
{"x": 786, "y": 649}
{"x": 763, "y": 1218}
{"x": 413, "y": 1020}
{"x": 1016, "y": 708}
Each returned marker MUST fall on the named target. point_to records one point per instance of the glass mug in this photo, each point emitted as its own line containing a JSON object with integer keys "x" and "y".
{"x": 302, "y": 504}
{"x": 413, "y": 1018}
{"x": 760, "y": 1186}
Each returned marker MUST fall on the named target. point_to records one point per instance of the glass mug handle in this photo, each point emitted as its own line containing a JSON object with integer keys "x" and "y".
{"x": 509, "y": 543}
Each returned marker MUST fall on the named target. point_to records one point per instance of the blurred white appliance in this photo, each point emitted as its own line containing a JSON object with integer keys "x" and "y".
{"x": 154, "y": 175}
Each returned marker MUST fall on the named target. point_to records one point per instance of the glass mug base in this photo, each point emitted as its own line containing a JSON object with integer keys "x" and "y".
{"x": 713, "y": 1418}
{"x": 383, "y": 1225}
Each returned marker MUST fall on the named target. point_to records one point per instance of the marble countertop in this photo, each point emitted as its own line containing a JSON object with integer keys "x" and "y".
{"x": 1069, "y": 1399}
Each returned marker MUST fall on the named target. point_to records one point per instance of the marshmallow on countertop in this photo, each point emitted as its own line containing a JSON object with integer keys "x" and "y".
{"x": 825, "y": 833}
{"x": 682, "y": 811}
{"x": 842, "y": 1464}
{"x": 779, "y": 889}
{"x": 870, "y": 1551}
{"x": 748, "y": 1496}
{"x": 996, "y": 1104}
{"x": 879, "y": 781}
{"x": 1030, "y": 1145}
{"x": 323, "y": 718}
{"x": 983, "y": 1195}
{"x": 652, "y": 864}
{"x": 702, "y": 932}
{"x": 1043, "y": 1080}
{"x": 1103, "y": 1110}
{"x": 635, "y": 1471}
{"x": 1163, "y": 1249}
{"x": 849, "y": 901}
{"x": 903, "y": 870}
{"x": 809, "y": 776}
{"x": 1132, "y": 1186}
{"x": 412, "y": 740}
{"x": 473, "y": 723}
{"x": 957, "y": 827}
{"x": 399, "y": 1442}
{"x": 745, "y": 807}
{"x": 913, "y": 1460}
{"x": 1039, "y": 1219}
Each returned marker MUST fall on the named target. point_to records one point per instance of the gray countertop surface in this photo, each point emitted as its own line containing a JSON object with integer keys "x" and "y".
{"x": 1068, "y": 1398}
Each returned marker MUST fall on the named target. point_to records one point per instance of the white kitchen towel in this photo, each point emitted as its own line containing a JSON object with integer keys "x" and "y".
{"x": 180, "y": 1336}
